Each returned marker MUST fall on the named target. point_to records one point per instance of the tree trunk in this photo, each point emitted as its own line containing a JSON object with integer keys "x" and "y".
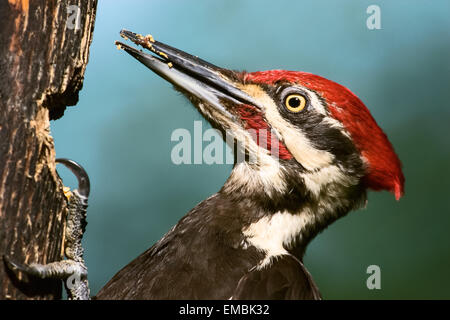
{"x": 44, "y": 48}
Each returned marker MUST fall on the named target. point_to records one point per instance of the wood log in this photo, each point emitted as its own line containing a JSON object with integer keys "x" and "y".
{"x": 44, "y": 50}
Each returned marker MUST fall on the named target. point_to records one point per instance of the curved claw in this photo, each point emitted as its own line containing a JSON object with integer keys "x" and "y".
{"x": 84, "y": 185}
{"x": 12, "y": 265}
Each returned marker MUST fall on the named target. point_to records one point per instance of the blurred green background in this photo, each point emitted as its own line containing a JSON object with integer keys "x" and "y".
{"x": 120, "y": 130}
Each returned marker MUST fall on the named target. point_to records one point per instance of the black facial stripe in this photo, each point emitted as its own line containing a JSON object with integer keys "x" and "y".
{"x": 314, "y": 125}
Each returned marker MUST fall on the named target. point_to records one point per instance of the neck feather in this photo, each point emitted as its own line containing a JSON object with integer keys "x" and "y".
{"x": 284, "y": 214}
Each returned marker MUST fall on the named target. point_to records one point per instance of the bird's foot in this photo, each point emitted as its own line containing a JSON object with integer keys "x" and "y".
{"x": 73, "y": 273}
{"x": 73, "y": 270}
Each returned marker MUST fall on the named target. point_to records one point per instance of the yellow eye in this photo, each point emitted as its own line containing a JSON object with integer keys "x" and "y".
{"x": 295, "y": 102}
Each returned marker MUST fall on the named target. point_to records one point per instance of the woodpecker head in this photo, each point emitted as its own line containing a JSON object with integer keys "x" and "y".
{"x": 309, "y": 137}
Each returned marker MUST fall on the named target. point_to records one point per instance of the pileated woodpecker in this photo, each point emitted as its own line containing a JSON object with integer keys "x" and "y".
{"x": 247, "y": 240}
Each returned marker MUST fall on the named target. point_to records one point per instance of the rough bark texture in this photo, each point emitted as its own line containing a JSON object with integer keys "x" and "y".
{"x": 43, "y": 56}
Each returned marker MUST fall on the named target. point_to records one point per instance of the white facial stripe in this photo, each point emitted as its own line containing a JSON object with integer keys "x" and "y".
{"x": 318, "y": 179}
{"x": 273, "y": 233}
{"x": 297, "y": 142}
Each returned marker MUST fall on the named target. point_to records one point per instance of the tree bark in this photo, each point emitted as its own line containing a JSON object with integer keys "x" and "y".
{"x": 44, "y": 48}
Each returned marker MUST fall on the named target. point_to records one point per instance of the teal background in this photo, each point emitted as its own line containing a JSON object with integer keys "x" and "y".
{"x": 120, "y": 130}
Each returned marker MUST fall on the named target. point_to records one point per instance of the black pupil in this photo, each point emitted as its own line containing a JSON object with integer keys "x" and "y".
{"x": 294, "y": 102}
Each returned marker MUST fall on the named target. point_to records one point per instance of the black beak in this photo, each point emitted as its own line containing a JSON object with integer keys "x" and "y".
{"x": 205, "y": 81}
